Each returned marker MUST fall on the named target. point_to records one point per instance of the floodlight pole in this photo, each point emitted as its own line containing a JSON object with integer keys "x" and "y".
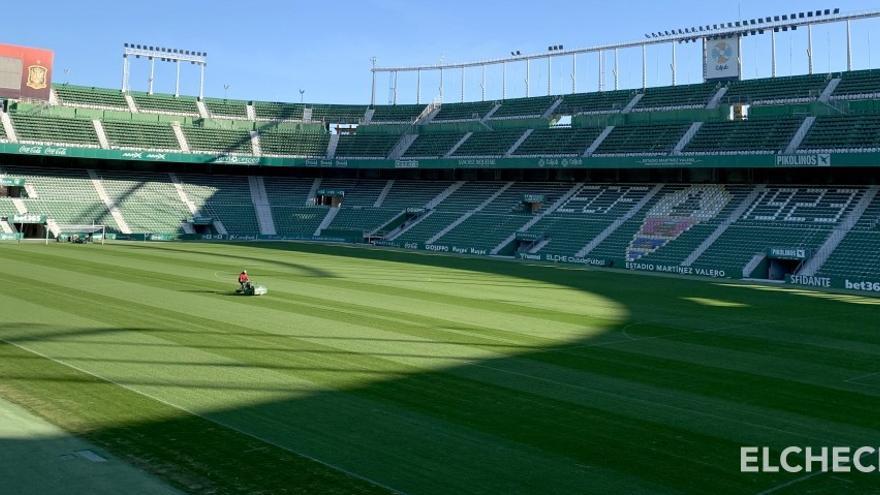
{"x": 601, "y": 71}
{"x": 394, "y": 90}
{"x": 810, "y": 48}
{"x": 418, "y": 85}
{"x": 441, "y": 85}
{"x": 573, "y": 73}
{"x": 549, "y": 73}
{"x": 483, "y": 84}
{"x": 124, "y": 73}
{"x": 848, "y": 47}
{"x": 462, "y": 84}
{"x": 504, "y": 80}
{"x": 373, "y": 88}
{"x": 527, "y": 77}
{"x": 201, "y": 81}
{"x": 773, "y": 53}
{"x": 177, "y": 79}
{"x": 616, "y": 73}
{"x": 152, "y": 75}
{"x": 644, "y": 66}
{"x": 672, "y": 65}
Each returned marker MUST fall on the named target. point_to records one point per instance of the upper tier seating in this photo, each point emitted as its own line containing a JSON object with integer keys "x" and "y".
{"x": 473, "y": 110}
{"x": 844, "y": 133}
{"x": 54, "y": 130}
{"x": 524, "y": 107}
{"x": 604, "y": 101}
{"x": 226, "y": 108}
{"x": 749, "y": 136}
{"x": 337, "y": 114}
{"x": 643, "y": 139}
{"x": 308, "y": 144}
{"x": 858, "y": 83}
{"x": 397, "y": 113}
{"x": 562, "y": 141}
{"x": 433, "y": 145}
{"x": 366, "y": 145}
{"x": 268, "y": 110}
{"x": 185, "y": 105}
{"x": 140, "y": 135}
{"x": 688, "y": 96}
{"x": 91, "y": 97}
{"x": 780, "y": 89}
{"x": 489, "y": 143}
{"x": 207, "y": 139}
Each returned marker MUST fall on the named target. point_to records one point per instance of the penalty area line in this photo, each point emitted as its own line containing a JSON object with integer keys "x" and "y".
{"x": 193, "y": 413}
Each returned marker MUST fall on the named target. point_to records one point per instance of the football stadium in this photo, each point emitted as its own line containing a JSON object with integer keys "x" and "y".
{"x": 607, "y": 266}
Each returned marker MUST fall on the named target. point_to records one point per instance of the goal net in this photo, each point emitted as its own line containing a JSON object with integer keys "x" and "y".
{"x": 81, "y": 233}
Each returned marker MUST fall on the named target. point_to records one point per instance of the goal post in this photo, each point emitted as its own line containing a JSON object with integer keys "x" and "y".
{"x": 81, "y": 233}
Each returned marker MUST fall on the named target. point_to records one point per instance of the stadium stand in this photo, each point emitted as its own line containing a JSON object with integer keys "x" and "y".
{"x": 66, "y": 196}
{"x": 266, "y": 110}
{"x": 749, "y": 136}
{"x": 778, "y": 90}
{"x": 338, "y": 114}
{"x": 464, "y": 111}
{"x": 364, "y": 145}
{"x": 672, "y": 97}
{"x": 140, "y": 135}
{"x": 205, "y": 139}
{"x": 226, "y": 108}
{"x": 225, "y": 198}
{"x": 148, "y": 201}
{"x": 858, "y": 84}
{"x": 844, "y": 133}
{"x": 308, "y": 144}
{"x": 524, "y": 107}
{"x": 54, "y": 130}
{"x": 489, "y": 143}
{"x": 397, "y": 113}
{"x": 433, "y": 145}
{"x": 604, "y": 101}
{"x": 558, "y": 142}
{"x": 642, "y": 139}
{"x": 90, "y": 97}
{"x": 183, "y": 105}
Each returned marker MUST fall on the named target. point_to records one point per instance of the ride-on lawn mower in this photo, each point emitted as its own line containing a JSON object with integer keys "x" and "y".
{"x": 249, "y": 289}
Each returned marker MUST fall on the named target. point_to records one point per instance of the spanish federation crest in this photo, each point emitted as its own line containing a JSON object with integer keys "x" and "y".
{"x": 37, "y": 77}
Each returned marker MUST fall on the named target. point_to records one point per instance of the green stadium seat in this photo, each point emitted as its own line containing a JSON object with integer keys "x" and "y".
{"x": 54, "y": 130}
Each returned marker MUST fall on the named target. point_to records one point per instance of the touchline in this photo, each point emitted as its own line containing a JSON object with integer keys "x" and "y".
{"x": 795, "y": 459}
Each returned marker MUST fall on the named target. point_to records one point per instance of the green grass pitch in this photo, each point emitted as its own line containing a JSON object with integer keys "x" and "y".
{"x": 369, "y": 371}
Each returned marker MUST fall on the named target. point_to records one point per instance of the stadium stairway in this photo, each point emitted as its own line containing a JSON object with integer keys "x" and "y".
{"x": 598, "y": 141}
{"x": 255, "y": 143}
{"x": 384, "y": 194}
{"x": 801, "y": 133}
{"x": 181, "y": 137}
{"x": 734, "y": 216}
{"x": 815, "y": 263}
{"x": 112, "y": 207}
{"x": 430, "y": 205}
{"x": 328, "y": 219}
{"x": 102, "y": 136}
{"x": 331, "y": 146}
{"x": 8, "y": 128}
{"x": 132, "y": 106}
{"x": 469, "y": 213}
{"x": 559, "y": 202}
{"x": 618, "y": 222}
{"x": 683, "y": 142}
{"x": 261, "y": 205}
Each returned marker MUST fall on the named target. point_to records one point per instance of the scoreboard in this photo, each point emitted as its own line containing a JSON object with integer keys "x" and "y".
{"x": 25, "y": 72}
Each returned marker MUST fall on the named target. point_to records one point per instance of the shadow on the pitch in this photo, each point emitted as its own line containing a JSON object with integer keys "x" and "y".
{"x": 636, "y": 408}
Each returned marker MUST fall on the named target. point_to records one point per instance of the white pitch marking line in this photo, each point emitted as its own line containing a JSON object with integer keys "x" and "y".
{"x": 184, "y": 409}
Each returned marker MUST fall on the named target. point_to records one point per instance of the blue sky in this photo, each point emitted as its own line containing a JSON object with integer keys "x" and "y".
{"x": 269, "y": 50}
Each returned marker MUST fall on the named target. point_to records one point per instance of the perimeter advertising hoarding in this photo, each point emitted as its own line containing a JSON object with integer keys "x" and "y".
{"x": 721, "y": 58}
{"x": 25, "y": 72}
